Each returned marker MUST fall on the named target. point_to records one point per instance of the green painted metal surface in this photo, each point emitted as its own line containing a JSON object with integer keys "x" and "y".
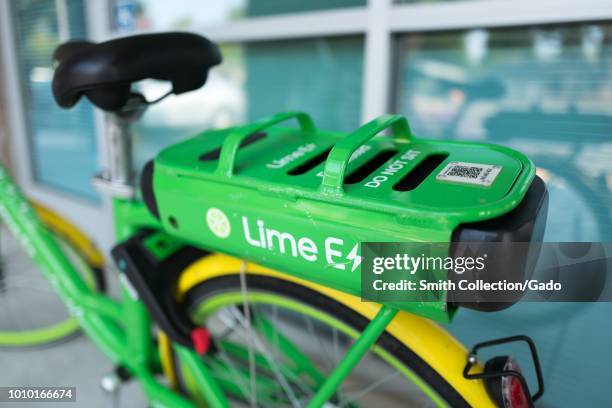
{"x": 220, "y": 192}
{"x": 352, "y": 357}
{"x": 120, "y": 329}
{"x": 303, "y": 365}
{"x": 250, "y": 201}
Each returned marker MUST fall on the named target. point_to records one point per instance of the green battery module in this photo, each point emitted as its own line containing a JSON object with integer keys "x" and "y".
{"x": 301, "y": 200}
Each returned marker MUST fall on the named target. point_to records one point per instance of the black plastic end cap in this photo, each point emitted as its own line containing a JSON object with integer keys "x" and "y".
{"x": 146, "y": 188}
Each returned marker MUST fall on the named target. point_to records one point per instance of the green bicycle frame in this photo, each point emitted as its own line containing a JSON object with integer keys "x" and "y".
{"x": 122, "y": 329}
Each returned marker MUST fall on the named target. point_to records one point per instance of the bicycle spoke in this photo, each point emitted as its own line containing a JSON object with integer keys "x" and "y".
{"x": 253, "y": 337}
{"x": 263, "y": 325}
{"x": 282, "y": 347}
{"x": 367, "y": 390}
{"x": 276, "y": 322}
{"x": 286, "y": 348}
{"x": 245, "y": 303}
{"x": 309, "y": 326}
{"x": 336, "y": 345}
{"x": 244, "y": 387}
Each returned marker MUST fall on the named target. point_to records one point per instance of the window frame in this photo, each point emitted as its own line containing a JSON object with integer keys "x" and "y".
{"x": 380, "y": 20}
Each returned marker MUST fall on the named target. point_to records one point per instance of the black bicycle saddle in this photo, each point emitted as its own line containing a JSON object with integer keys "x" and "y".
{"x": 104, "y": 72}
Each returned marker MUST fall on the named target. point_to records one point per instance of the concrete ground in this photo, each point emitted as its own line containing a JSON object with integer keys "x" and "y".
{"x": 76, "y": 363}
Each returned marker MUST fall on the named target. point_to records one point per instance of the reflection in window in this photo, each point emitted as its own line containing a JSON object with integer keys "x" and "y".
{"x": 219, "y": 103}
{"x": 544, "y": 91}
{"x": 62, "y": 142}
{"x": 319, "y": 76}
{"x": 143, "y": 15}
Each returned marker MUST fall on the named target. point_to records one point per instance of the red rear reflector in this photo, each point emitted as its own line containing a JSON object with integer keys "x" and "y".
{"x": 512, "y": 389}
{"x": 200, "y": 337}
{"x": 514, "y": 394}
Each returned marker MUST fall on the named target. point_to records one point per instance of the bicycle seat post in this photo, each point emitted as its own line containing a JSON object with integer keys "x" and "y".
{"x": 104, "y": 73}
{"x": 118, "y": 180}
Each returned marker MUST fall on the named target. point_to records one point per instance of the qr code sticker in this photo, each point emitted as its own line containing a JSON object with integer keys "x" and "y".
{"x": 470, "y": 173}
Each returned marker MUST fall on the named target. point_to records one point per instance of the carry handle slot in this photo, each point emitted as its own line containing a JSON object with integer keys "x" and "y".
{"x": 231, "y": 145}
{"x": 420, "y": 172}
{"x": 338, "y": 159}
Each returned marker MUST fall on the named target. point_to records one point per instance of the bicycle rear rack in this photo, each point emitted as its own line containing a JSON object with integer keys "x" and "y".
{"x": 302, "y": 200}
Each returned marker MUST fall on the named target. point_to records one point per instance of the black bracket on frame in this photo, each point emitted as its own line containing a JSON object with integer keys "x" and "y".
{"x": 155, "y": 281}
{"x": 472, "y": 359}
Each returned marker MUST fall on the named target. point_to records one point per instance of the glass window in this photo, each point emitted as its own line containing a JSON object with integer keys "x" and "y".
{"x": 219, "y": 103}
{"x": 62, "y": 143}
{"x": 320, "y": 76}
{"x": 546, "y": 91}
{"x": 130, "y": 15}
